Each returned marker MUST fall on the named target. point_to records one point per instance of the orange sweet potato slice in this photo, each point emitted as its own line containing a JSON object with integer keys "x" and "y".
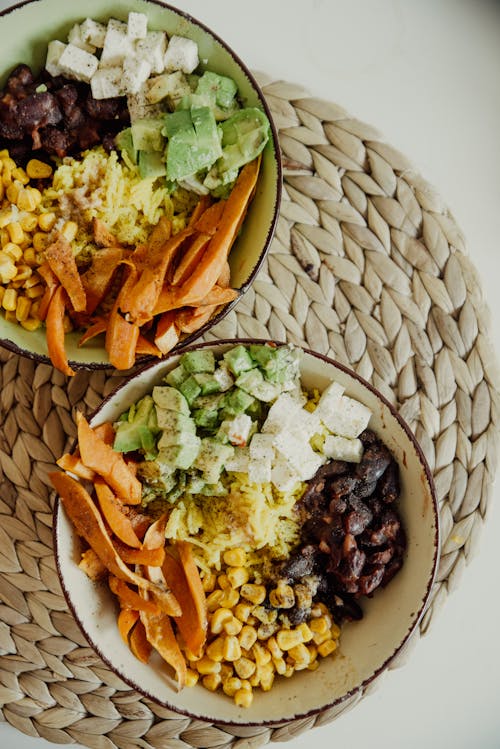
{"x": 193, "y": 579}
{"x": 59, "y": 256}
{"x": 192, "y": 623}
{"x": 130, "y": 599}
{"x": 146, "y": 348}
{"x": 121, "y": 341}
{"x": 190, "y": 258}
{"x": 54, "y": 323}
{"x": 146, "y": 557}
{"x": 209, "y": 220}
{"x": 97, "y": 280}
{"x": 98, "y": 327}
{"x": 160, "y": 634}
{"x": 139, "y": 642}
{"x": 113, "y": 514}
{"x": 127, "y": 619}
{"x": 101, "y": 458}
{"x": 193, "y": 318}
{"x": 102, "y": 235}
{"x": 92, "y": 565}
{"x": 105, "y": 432}
{"x": 200, "y": 208}
{"x": 72, "y": 463}
{"x": 167, "y": 334}
{"x": 51, "y": 284}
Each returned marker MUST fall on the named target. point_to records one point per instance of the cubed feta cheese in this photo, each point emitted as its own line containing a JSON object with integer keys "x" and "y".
{"x": 75, "y": 37}
{"x": 152, "y": 48}
{"x": 343, "y": 448}
{"x": 262, "y": 446}
{"x": 329, "y": 400}
{"x": 283, "y": 476}
{"x": 106, "y": 83}
{"x": 135, "y": 74}
{"x": 349, "y": 419}
{"x": 223, "y": 377}
{"x": 93, "y": 32}
{"x": 137, "y": 26}
{"x": 117, "y": 45}
{"x": 238, "y": 429}
{"x": 282, "y": 413}
{"x": 77, "y": 64}
{"x": 239, "y": 461}
{"x": 260, "y": 471}
{"x": 54, "y": 52}
{"x": 298, "y": 453}
{"x": 181, "y": 54}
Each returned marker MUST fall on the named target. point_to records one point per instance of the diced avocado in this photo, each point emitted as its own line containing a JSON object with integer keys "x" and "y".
{"x": 124, "y": 142}
{"x": 244, "y": 136}
{"x": 253, "y": 382}
{"x": 180, "y": 456}
{"x": 207, "y": 382}
{"x": 193, "y": 142}
{"x": 179, "y": 431}
{"x": 209, "y": 402}
{"x": 170, "y": 398}
{"x": 151, "y": 164}
{"x": 262, "y": 353}
{"x": 211, "y": 458}
{"x": 169, "y": 86}
{"x": 174, "y": 421}
{"x": 176, "y": 376}
{"x": 201, "y": 360}
{"x": 205, "y": 419}
{"x": 147, "y": 134}
{"x": 236, "y": 402}
{"x": 222, "y": 88}
{"x": 139, "y": 431}
{"x": 238, "y": 359}
{"x": 214, "y": 490}
{"x": 194, "y": 483}
{"x": 284, "y": 366}
{"x": 190, "y": 389}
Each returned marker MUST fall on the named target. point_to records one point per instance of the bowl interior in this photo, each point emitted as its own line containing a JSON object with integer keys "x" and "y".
{"x": 366, "y": 646}
{"x": 26, "y": 30}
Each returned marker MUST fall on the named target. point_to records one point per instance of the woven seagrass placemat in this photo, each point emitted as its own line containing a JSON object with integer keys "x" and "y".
{"x": 367, "y": 266}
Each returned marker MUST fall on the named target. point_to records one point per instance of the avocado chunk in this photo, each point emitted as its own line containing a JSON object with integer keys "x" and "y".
{"x": 190, "y": 389}
{"x": 211, "y": 458}
{"x": 170, "y": 399}
{"x": 180, "y": 456}
{"x": 151, "y": 164}
{"x": 176, "y": 376}
{"x": 147, "y": 134}
{"x": 138, "y": 431}
{"x": 253, "y": 382}
{"x": 221, "y": 88}
{"x": 238, "y": 360}
{"x": 236, "y": 402}
{"x": 124, "y": 142}
{"x": 175, "y": 426}
{"x": 198, "y": 361}
{"x": 193, "y": 142}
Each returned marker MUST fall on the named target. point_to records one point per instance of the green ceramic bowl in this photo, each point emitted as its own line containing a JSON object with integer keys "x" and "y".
{"x": 25, "y": 31}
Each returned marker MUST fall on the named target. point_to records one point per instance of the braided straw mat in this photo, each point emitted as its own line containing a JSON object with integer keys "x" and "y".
{"x": 367, "y": 266}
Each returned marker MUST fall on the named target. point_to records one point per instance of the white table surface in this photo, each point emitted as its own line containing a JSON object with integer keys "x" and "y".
{"x": 427, "y": 74}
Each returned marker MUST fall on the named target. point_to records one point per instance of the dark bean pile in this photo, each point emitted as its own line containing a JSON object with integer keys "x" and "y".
{"x": 45, "y": 116}
{"x": 352, "y": 537}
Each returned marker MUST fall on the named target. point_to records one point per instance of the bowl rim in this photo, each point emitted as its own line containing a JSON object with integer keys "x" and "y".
{"x": 417, "y": 617}
{"x": 10, "y": 345}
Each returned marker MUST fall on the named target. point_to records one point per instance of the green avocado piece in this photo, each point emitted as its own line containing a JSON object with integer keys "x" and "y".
{"x": 238, "y": 359}
{"x": 193, "y": 142}
{"x": 139, "y": 430}
{"x": 244, "y": 136}
{"x": 147, "y": 134}
{"x": 220, "y": 87}
{"x": 151, "y": 164}
{"x": 124, "y": 142}
{"x": 202, "y": 360}
{"x": 170, "y": 398}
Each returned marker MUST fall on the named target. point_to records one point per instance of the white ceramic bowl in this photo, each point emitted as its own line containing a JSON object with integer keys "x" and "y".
{"x": 25, "y": 30}
{"x": 367, "y": 647}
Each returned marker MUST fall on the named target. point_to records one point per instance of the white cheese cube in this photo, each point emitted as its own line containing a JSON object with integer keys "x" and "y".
{"x": 181, "y": 54}
{"x": 117, "y": 45}
{"x": 152, "y": 49}
{"x": 283, "y": 476}
{"x": 281, "y": 414}
{"x": 54, "y": 52}
{"x": 262, "y": 446}
{"x": 93, "y": 32}
{"x": 260, "y": 471}
{"x": 329, "y": 400}
{"x": 299, "y": 454}
{"x": 75, "y": 37}
{"x": 307, "y": 423}
{"x": 343, "y": 448}
{"x": 107, "y": 83}
{"x": 349, "y": 419}
{"x": 224, "y": 377}
{"x": 135, "y": 74}
{"x": 239, "y": 461}
{"x": 237, "y": 430}
{"x": 77, "y": 64}
{"x": 137, "y": 25}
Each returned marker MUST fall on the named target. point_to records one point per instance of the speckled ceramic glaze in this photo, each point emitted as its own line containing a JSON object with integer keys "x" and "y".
{"x": 367, "y": 647}
{"x": 26, "y": 29}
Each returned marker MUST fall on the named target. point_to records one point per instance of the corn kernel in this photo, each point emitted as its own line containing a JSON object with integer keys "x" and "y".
{"x": 224, "y": 582}
{"x": 5, "y": 217}
{"x": 6, "y": 175}
{"x": 4, "y": 234}
{"x": 2, "y": 291}
{"x": 37, "y": 169}
{"x": 19, "y": 174}
{"x": 46, "y": 221}
{"x": 16, "y": 232}
{"x": 10, "y": 315}
{"x": 265, "y": 615}
{"x": 23, "y": 272}
{"x": 191, "y": 677}
{"x": 266, "y": 677}
{"x": 233, "y": 626}
{"x": 327, "y": 647}
{"x": 212, "y": 682}
{"x": 254, "y": 593}
{"x": 247, "y": 637}
{"x": 238, "y": 576}
{"x": 243, "y": 610}
{"x": 313, "y": 665}
{"x": 279, "y": 665}
{"x": 13, "y": 250}
{"x": 231, "y": 685}
{"x": 12, "y": 191}
{"x": 207, "y": 666}
{"x": 305, "y": 632}
{"x": 8, "y": 269}
{"x": 219, "y": 618}
{"x": 25, "y": 200}
{"x": 22, "y": 308}
{"x": 261, "y": 654}
{"x": 273, "y": 648}
{"x": 300, "y": 653}
{"x": 335, "y": 632}
{"x": 35, "y": 194}
{"x": 243, "y": 697}
{"x": 282, "y": 596}
{"x": 244, "y": 667}
{"x": 215, "y": 650}
{"x": 213, "y": 600}
{"x": 235, "y": 557}
{"x": 319, "y": 637}
{"x": 2, "y": 189}
{"x": 29, "y": 256}
{"x": 31, "y": 324}
{"x": 9, "y": 301}
{"x": 318, "y": 625}
{"x": 232, "y": 650}
{"x": 226, "y": 671}
{"x": 208, "y": 582}
{"x": 35, "y": 307}
{"x": 8, "y": 163}
{"x": 69, "y": 230}
{"x": 28, "y": 222}
{"x": 288, "y": 638}
{"x": 230, "y": 598}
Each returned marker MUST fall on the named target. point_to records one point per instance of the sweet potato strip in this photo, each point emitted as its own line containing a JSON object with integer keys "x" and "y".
{"x": 121, "y": 341}
{"x": 92, "y": 565}
{"x": 127, "y": 618}
{"x": 160, "y": 634}
{"x": 51, "y": 284}
{"x": 102, "y": 459}
{"x": 193, "y": 579}
{"x": 224, "y": 280}
{"x": 192, "y": 626}
{"x": 89, "y": 524}
{"x": 142, "y": 299}
{"x": 105, "y": 432}
{"x": 112, "y": 512}
{"x": 73, "y": 464}
{"x": 190, "y": 258}
{"x": 97, "y": 280}
{"x": 59, "y": 256}
{"x": 212, "y": 263}
{"x": 209, "y": 220}
{"x": 146, "y": 348}
{"x": 200, "y": 208}
{"x": 193, "y": 318}
{"x": 167, "y": 333}
{"x": 146, "y": 557}
{"x": 102, "y": 235}
{"x": 139, "y": 643}
{"x": 98, "y": 327}
{"x": 219, "y": 295}
{"x": 154, "y": 539}
{"x": 54, "y": 323}
{"x": 130, "y": 599}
